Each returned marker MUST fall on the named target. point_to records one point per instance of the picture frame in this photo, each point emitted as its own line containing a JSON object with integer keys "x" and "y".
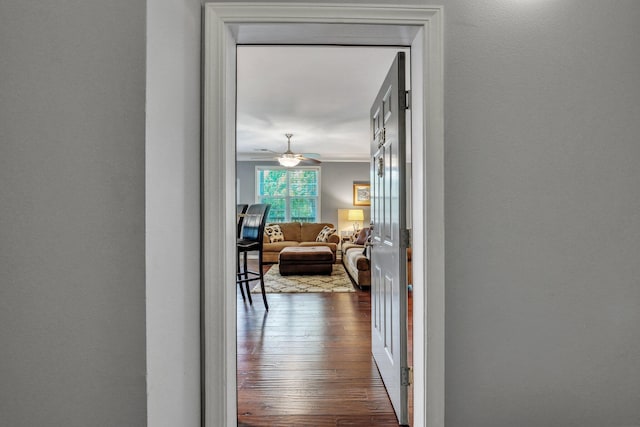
{"x": 361, "y": 194}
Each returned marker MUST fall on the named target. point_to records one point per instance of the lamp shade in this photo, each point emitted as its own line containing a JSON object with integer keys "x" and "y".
{"x": 355, "y": 215}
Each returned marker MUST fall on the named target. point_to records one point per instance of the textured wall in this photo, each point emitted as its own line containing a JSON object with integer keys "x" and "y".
{"x": 72, "y": 263}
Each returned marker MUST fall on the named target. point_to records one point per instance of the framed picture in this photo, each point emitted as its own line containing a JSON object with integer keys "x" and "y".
{"x": 361, "y": 194}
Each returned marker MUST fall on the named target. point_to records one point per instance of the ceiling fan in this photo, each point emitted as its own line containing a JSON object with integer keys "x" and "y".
{"x": 289, "y": 158}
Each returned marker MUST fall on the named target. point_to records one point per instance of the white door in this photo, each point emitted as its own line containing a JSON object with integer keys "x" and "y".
{"x": 389, "y": 237}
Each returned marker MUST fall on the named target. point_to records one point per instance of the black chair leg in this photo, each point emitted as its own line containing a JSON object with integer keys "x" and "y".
{"x": 246, "y": 276}
{"x": 242, "y": 292}
{"x": 238, "y": 274}
{"x": 260, "y": 270}
{"x": 246, "y": 284}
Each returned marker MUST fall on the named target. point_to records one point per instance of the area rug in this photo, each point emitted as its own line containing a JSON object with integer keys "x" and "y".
{"x": 274, "y": 283}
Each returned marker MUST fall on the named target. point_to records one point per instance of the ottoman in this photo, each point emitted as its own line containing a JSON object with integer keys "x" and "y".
{"x": 306, "y": 260}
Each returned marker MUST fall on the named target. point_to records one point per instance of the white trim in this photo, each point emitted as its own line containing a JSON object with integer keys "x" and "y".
{"x": 223, "y": 24}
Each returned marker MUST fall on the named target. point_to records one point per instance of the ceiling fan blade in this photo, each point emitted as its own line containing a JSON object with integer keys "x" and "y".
{"x": 266, "y": 150}
{"x": 309, "y": 160}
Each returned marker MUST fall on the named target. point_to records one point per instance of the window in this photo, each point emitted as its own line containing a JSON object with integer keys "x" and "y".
{"x": 293, "y": 193}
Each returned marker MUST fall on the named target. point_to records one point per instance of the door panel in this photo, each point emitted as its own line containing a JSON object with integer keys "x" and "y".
{"x": 388, "y": 250}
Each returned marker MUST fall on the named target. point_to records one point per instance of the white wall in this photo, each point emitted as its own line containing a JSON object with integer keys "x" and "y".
{"x": 172, "y": 212}
{"x": 72, "y": 189}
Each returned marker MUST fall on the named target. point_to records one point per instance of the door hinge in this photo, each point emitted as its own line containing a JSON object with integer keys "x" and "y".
{"x": 405, "y": 238}
{"x": 407, "y": 99}
{"x": 407, "y": 376}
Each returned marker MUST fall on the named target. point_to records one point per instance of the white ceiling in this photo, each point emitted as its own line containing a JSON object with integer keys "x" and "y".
{"x": 320, "y": 94}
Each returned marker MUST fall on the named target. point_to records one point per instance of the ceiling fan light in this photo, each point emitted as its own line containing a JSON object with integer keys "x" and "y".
{"x": 288, "y": 161}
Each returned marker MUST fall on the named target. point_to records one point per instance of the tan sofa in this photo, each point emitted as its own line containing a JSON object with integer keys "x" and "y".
{"x": 355, "y": 261}
{"x": 298, "y": 234}
{"x": 356, "y": 264}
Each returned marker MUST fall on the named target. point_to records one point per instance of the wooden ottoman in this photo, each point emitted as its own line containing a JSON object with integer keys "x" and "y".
{"x": 305, "y": 260}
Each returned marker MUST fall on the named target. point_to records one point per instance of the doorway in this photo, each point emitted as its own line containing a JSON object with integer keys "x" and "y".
{"x": 309, "y": 357}
{"x": 229, "y": 24}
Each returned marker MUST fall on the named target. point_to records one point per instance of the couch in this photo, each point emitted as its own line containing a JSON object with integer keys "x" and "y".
{"x": 298, "y": 234}
{"x": 355, "y": 261}
{"x": 357, "y": 264}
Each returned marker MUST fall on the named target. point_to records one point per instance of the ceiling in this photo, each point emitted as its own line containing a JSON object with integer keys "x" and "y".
{"x": 320, "y": 94}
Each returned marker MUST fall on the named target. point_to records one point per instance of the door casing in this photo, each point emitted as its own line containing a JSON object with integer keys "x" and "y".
{"x": 229, "y": 24}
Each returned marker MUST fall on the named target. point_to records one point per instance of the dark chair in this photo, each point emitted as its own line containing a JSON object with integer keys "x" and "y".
{"x": 241, "y": 209}
{"x": 250, "y": 240}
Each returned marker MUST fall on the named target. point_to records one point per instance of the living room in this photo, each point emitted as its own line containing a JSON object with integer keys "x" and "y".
{"x": 336, "y": 188}
{"x": 309, "y": 101}
{"x": 330, "y": 185}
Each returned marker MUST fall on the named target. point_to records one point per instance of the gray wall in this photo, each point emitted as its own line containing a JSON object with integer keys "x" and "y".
{"x": 72, "y": 258}
{"x": 542, "y": 201}
{"x": 542, "y": 204}
{"x": 173, "y": 213}
{"x": 336, "y": 185}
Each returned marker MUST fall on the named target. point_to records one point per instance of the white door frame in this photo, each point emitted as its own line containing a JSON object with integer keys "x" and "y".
{"x": 229, "y": 24}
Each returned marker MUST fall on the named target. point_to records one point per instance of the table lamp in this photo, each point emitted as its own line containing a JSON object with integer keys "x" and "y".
{"x": 355, "y": 215}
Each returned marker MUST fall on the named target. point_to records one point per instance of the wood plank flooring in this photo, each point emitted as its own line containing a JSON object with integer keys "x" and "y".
{"x": 307, "y": 362}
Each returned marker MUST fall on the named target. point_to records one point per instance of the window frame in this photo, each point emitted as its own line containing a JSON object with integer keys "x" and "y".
{"x": 288, "y": 197}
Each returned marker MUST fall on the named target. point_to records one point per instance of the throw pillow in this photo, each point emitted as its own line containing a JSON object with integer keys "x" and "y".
{"x": 324, "y": 234}
{"x": 362, "y": 237}
{"x": 274, "y": 233}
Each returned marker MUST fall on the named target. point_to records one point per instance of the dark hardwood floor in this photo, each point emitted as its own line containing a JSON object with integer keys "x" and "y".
{"x": 307, "y": 362}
